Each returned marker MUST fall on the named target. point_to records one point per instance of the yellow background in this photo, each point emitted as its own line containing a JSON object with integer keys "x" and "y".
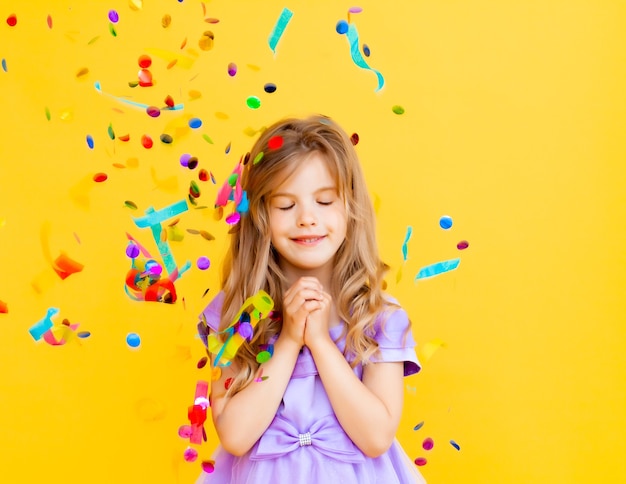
{"x": 514, "y": 124}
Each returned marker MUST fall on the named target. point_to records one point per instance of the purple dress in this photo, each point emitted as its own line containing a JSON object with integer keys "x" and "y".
{"x": 305, "y": 443}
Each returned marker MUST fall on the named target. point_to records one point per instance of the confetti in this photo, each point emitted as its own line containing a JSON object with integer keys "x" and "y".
{"x": 4, "y": 308}
{"x": 190, "y": 454}
{"x": 421, "y": 461}
{"x": 203, "y": 263}
{"x": 49, "y": 21}
{"x": 195, "y": 123}
{"x": 4, "y": 65}
{"x": 455, "y": 445}
{"x": 98, "y": 88}
{"x": 82, "y": 72}
{"x": 342, "y": 27}
{"x": 464, "y": 244}
{"x": 113, "y": 16}
{"x": 428, "y": 443}
{"x": 445, "y": 222}
{"x": 38, "y": 329}
{"x": 437, "y": 268}
{"x": 132, "y": 250}
{"x": 232, "y": 69}
{"x": 275, "y": 142}
{"x": 269, "y": 87}
{"x": 100, "y": 177}
{"x": 133, "y": 340}
{"x": 208, "y": 466}
{"x": 166, "y": 20}
{"x": 146, "y": 141}
{"x": 428, "y": 349}
{"x": 366, "y": 50}
{"x": 206, "y": 41}
{"x": 12, "y": 20}
{"x": 397, "y": 109}
{"x": 253, "y": 102}
{"x": 90, "y": 143}
{"x": 353, "y": 39}
{"x": 409, "y": 231}
{"x": 135, "y": 4}
{"x": 354, "y": 139}
{"x": 419, "y": 425}
{"x": 153, "y": 111}
{"x": 279, "y": 28}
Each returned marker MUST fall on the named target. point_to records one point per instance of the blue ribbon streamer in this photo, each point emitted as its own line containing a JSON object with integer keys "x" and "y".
{"x": 279, "y": 28}
{"x": 357, "y": 58}
{"x": 437, "y": 268}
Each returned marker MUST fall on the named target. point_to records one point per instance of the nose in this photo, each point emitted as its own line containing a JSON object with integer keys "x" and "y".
{"x": 306, "y": 217}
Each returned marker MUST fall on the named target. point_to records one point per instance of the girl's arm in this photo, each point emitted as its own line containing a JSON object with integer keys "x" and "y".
{"x": 369, "y": 410}
{"x": 241, "y": 420}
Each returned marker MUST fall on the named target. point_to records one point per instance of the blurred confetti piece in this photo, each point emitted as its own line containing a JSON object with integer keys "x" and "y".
{"x": 4, "y": 308}
{"x": 462, "y": 245}
{"x": 47, "y": 113}
{"x": 428, "y": 443}
{"x": 437, "y": 268}
{"x": 427, "y": 350}
{"x": 455, "y": 445}
{"x": 12, "y": 20}
{"x": 38, "y": 329}
{"x": 208, "y": 466}
{"x": 82, "y": 72}
{"x": 135, "y": 4}
{"x": 4, "y": 65}
{"x": 279, "y": 28}
{"x": 420, "y": 461}
{"x": 90, "y": 142}
{"x": 397, "y": 109}
{"x": 405, "y": 250}
{"x": 64, "y": 266}
{"x": 98, "y": 88}
{"x": 150, "y": 410}
{"x": 355, "y": 52}
{"x": 49, "y": 21}
{"x": 399, "y": 275}
{"x": 419, "y": 425}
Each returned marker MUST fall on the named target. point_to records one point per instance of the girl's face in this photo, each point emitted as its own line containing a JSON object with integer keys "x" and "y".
{"x": 308, "y": 221}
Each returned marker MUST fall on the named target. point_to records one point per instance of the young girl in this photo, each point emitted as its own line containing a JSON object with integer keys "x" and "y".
{"x": 329, "y": 401}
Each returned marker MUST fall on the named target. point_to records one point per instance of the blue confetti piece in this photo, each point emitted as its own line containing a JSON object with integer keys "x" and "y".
{"x": 455, "y": 445}
{"x": 4, "y": 65}
{"x": 405, "y": 249}
{"x": 279, "y": 28}
{"x": 40, "y": 328}
{"x": 357, "y": 58}
{"x": 90, "y": 142}
{"x": 437, "y": 268}
{"x": 419, "y": 425}
{"x": 445, "y": 222}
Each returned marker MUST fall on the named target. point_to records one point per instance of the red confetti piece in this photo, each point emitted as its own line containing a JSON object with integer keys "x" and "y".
{"x": 203, "y": 361}
{"x": 275, "y": 142}
{"x": 169, "y": 101}
{"x": 354, "y": 139}
{"x": 153, "y": 111}
{"x": 203, "y": 175}
{"x": 100, "y": 177}
{"x": 49, "y": 20}
{"x": 208, "y": 466}
{"x": 464, "y": 244}
{"x": 4, "y": 308}
{"x": 421, "y": 461}
{"x": 146, "y": 141}
{"x": 428, "y": 443}
{"x": 124, "y": 137}
{"x": 228, "y": 383}
{"x": 12, "y": 20}
{"x": 144, "y": 61}
{"x": 145, "y": 78}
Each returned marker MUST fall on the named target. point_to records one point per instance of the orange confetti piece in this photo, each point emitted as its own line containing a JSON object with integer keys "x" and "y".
{"x": 49, "y": 20}
{"x": 64, "y": 266}
{"x": 82, "y": 73}
{"x": 4, "y": 308}
{"x": 172, "y": 64}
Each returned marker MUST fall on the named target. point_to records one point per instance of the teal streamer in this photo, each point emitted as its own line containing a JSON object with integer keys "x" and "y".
{"x": 437, "y": 268}
{"x": 357, "y": 58}
{"x": 176, "y": 107}
{"x": 405, "y": 249}
{"x": 40, "y": 328}
{"x": 153, "y": 217}
{"x": 279, "y": 28}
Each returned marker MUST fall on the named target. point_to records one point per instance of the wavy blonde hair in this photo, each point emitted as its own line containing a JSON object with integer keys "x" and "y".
{"x": 251, "y": 263}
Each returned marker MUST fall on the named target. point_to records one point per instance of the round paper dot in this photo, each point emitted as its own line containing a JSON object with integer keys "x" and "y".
{"x": 233, "y": 218}
{"x": 153, "y": 267}
{"x": 245, "y": 330}
{"x": 153, "y": 111}
{"x": 253, "y": 102}
{"x": 184, "y": 431}
{"x": 203, "y": 263}
{"x": 132, "y": 251}
{"x": 83, "y": 334}
{"x": 275, "y": 142}
{"x": 184, "y": 159}
{"x": 133, "y": 340}
{"x": 263, "y": 356}
{"x": 420, "y": 461}
{"x": 12, "y": 20}
{"x": 114, "y": 16}
{"x": 208, "y": 466}
{"x": 195, "y": 123}
{"x": 100, "y": 177}
{"x": 342, "y": 27}
{"x": 190, "y": 454}
{"x": 232, "y": 69}
{"x": 464, "y": 244}
{"x": 428, "y": 443}
{"x": 269, "y": 87}
{"x": 192, "y": 163}
{"x": 366, "y": 50}
{"x": 166, "y": 138}
{"x": 203, "y": 175}
{"x": 146, "y": 141}
{"x": 398, "y": 109}
{"x": 354, "y": 139}
{"x": 445, "y": 222}
{"x": 144, "y": 61}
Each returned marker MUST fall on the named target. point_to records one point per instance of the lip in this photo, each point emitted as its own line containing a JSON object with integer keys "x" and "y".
{"x": 308, "y": 239}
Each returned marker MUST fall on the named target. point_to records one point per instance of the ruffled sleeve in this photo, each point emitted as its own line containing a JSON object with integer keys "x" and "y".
{"x": 213, "y": 312}
{"x": 395, "y": 340}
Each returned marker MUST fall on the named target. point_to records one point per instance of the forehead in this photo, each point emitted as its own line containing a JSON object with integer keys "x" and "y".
{"x": 312, "y": 172}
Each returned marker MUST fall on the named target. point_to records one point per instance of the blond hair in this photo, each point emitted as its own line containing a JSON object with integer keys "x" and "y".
{"x": 252, "y": 263}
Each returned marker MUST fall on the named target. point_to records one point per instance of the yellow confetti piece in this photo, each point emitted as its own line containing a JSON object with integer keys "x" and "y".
{"x": 399, "y": 275}
{"x": 427, "y": 350}
{"x": 82, "y": 73}
{"x": 193, "y": 94}
{"x": 67, "y": 115}
{"x": 135, "y": 4}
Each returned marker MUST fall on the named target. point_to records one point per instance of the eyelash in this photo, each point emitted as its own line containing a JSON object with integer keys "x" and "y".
{"x": 325, "y": 204}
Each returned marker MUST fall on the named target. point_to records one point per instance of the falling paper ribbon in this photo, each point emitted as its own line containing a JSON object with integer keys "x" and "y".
{"x": 437, "y": 268}
{"x": 405, "y": 249}
{"x": 357, "y": 58}
{"x": 133, "y": 103}
{"x": 279, "y": 28}
{"x": 40, "y": 328}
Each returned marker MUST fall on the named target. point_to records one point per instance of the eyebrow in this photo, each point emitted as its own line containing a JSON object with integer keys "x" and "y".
{"x": 316, "y": 192}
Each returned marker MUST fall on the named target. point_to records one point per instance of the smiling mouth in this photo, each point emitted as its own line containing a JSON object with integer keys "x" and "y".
{"x": 307, "y": 240}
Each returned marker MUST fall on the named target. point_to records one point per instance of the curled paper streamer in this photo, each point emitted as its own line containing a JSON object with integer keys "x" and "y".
{"x": 437, "y": 268}
{"x": 357, "y": 58}
{"x": 405, "y": 249}
{"x": 255, "y": 307}
{"x": 42, "y": 326}
{"x": 98, "y": 88}
{"x": 279, "y": 28}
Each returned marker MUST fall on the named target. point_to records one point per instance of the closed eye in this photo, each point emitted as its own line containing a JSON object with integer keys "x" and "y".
{"x": 326, "y": 203}
{"x": 286, "y": 208}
